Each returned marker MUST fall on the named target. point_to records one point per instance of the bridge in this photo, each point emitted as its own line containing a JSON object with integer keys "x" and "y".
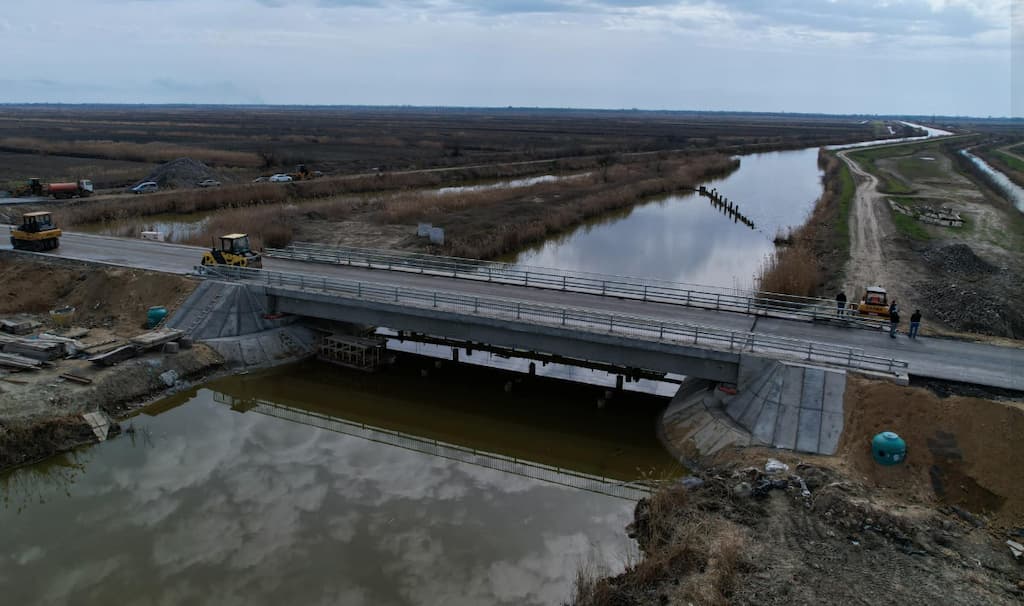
{"x": 787, "y": 357}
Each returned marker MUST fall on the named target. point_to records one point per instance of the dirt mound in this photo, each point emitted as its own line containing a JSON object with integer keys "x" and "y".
{"x": 183, "y": 172}
{"x": 973, "y": 307}
{"x": 959, "y": 259}
{"x": 960, "y": 451}
{"x": 114, "y": 298}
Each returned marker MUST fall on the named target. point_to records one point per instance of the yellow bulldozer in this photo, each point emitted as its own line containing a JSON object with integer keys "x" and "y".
{"x": 37, "y": 232}
{"x": 234, "y": 250}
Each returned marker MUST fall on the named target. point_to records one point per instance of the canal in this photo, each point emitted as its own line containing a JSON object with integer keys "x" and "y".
{"x": 426, "y": 483}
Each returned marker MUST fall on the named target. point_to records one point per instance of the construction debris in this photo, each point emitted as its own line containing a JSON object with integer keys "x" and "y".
{"x": 114, "y": 356}
{"x": 19, "y": 362}
{"x": 156, "y": 338}
{"x": 18, "y": 327}
{"x": 99, "y": 422}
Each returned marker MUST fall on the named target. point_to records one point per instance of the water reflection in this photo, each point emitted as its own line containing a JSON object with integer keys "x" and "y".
{"x": 225, "y": 506}
{"x": 1010, "y": 189}
{"x": 683, "y": 238}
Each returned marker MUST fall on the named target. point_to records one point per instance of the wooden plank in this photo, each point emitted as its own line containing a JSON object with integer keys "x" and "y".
{"x": 156, "y": 338}
{"x": 76, "y": 378}
{"x": 114, "y": 356}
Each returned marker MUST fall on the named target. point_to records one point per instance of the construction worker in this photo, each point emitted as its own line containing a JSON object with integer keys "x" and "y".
{"x": 894, "y": 319}
{"x": 840, "y": 303}
{"x": 915, "y": 324}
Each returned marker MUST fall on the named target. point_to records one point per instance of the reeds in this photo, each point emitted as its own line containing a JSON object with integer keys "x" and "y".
{"x": 133, "y": 152}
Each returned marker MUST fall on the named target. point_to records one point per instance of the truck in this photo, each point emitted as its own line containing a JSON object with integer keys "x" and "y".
{"x": 35, "y": 187}
{"x": 80, "y": 189}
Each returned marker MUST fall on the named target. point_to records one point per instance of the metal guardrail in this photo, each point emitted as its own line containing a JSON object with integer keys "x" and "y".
{"x": 579, "y": 319}
{"x": 538, "y": 471}
{"x": 648, "y": 290}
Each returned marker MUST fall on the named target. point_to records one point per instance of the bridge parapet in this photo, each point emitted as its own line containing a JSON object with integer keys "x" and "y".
{"x": 621, "y": 287}
{"x": 383, "y": 304}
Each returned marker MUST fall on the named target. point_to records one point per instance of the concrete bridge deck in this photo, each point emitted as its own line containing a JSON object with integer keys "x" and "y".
{"x": 979, "y": 363}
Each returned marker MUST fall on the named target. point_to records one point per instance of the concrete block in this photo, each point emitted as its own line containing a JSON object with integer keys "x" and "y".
{"x": 764, "y": 427}
{"x": 814, "y": 387}
{"x": 831, "y": 430}
{"x": 808, "y": 431}
{"x": 171, "y": 348}
{"x": 792, "y": 385}
{"x": 835, "y": 390}
{"x": 786, "y": 427}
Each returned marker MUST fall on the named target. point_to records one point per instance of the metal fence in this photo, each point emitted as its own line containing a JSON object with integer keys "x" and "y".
{"x": 538, "y": 471}
{"x": 650, "y": 290}
{"x": 577, "y": 319}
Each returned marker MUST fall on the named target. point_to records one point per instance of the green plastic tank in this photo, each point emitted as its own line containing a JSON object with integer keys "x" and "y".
{"x": 155, "y": 316}
{"x": 887, "y": 448}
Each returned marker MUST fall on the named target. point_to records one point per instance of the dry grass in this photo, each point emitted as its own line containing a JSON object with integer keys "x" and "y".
{"x": 134, "y": 152}
{"x": 694, "y": 553}
{"x": 809, "y": 256}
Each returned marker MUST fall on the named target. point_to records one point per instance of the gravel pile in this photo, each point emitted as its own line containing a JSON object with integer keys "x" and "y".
{"x": 183, "y": 172}
{"x": 967, "y": 307}
{"x": 959, "y": 259}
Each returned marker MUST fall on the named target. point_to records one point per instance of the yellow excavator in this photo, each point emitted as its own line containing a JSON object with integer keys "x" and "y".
{"x": 37, "y": 232}
{"x": 234, "y": 250}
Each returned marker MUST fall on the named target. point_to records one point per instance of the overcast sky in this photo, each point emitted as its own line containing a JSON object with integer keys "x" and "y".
{"x": 833, "y": 56}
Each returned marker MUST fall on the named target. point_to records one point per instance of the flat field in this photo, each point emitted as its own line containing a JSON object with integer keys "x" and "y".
{"x": 340, "y": 140}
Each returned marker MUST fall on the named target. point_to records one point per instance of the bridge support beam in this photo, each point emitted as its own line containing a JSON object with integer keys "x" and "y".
{"x": 608, "y": 348}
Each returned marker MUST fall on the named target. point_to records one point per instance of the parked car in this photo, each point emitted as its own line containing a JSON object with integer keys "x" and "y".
{"x": 280, "y": 178}
{"x": 209, "y": 183}
{"x": 145, "y": 187}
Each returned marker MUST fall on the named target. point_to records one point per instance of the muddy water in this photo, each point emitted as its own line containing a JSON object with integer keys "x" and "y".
{"x": 216, "y": 499}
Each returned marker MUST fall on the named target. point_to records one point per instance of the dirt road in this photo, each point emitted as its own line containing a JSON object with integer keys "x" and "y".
{"x": 869, "y": 226}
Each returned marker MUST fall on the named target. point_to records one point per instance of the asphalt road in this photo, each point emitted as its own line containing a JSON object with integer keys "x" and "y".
{"x": 984, "y": 364}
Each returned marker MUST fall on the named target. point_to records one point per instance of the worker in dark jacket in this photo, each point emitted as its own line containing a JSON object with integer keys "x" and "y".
{"x": 840, "y": 303}
{"x": 915, "y": 324}
{"x": 894, "y": 320}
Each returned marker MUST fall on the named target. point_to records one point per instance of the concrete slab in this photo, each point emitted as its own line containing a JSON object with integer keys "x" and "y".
{"x": 764, "y": 427}
{"x": 808, "y": 431}
{"x": 835, "y": 389}
{"x": 814, "y": 385}
{"x": 831, "y": 430}
{"x": 786, "y": 427}
{"x": 99, "y": 423}
{"x": 739, "y": 404}
{"x": 750, "y": 416}
{"x": 792, "y": 385}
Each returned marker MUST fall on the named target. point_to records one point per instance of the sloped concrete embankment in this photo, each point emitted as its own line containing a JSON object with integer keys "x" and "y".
{"x": 235, "y": 322}
{"x": 778, "y": 404}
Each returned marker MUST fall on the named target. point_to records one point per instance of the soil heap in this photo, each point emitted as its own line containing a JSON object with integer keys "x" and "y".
{"x": 183, "y": 172}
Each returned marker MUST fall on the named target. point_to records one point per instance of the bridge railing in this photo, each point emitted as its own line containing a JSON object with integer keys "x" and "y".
{"x": 650, "y": 290}
{"x": 579, "y": 319}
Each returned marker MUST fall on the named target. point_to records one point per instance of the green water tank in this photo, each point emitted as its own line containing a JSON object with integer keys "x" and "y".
{"x": 887, "y": 448}
{"x": 155, "y": 316}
